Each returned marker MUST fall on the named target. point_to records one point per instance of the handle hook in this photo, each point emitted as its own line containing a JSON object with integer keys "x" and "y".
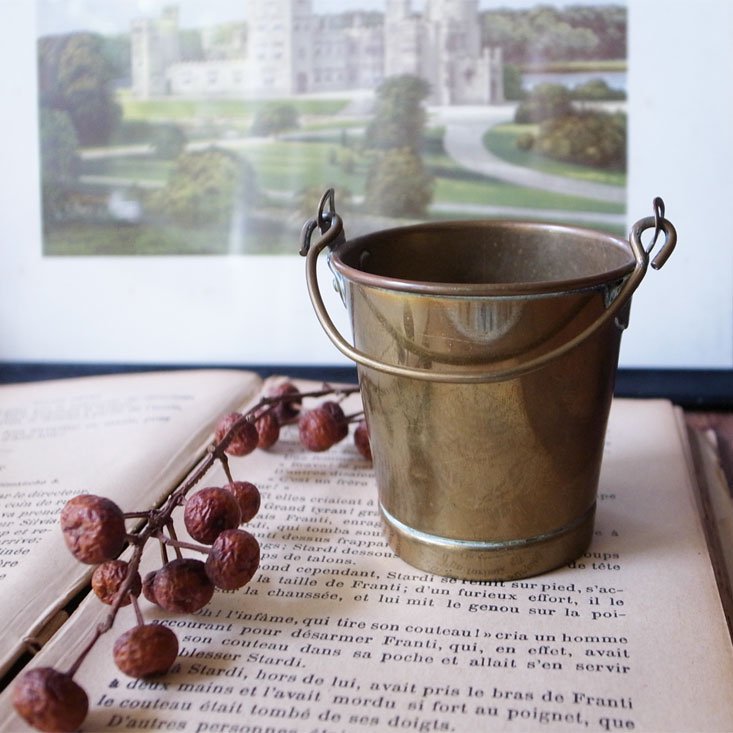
{"x": 324, "y": 219}
{"x": 660, "y": 225}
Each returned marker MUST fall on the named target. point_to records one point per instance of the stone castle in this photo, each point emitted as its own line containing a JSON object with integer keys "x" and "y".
{"x": 286, "y": 49}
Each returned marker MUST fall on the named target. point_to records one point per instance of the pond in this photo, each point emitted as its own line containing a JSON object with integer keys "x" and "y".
{"x": 571, "y": 79}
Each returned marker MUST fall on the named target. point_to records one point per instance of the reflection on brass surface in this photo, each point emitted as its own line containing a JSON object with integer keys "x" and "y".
{"x": 486, "y": 354}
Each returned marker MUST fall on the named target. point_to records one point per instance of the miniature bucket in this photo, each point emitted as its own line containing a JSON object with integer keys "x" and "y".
{"x": 486, "y": 354}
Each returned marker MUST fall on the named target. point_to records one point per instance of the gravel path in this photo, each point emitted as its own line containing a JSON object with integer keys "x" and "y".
{"x": 463, "y": 141}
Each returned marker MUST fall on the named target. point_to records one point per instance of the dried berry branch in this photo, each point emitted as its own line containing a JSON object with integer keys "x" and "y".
{"x": 95, "y": 533}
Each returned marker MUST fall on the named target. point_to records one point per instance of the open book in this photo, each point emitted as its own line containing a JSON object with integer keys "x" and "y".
{"x": 335, "y": 633}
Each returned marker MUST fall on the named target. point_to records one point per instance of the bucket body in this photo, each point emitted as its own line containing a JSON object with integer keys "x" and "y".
{"x": 486, "y": 354}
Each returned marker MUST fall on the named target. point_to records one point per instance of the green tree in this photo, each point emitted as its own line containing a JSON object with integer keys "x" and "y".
{"x": 545, "y": 101}
{"x": 595, "y": 139}
{"x": 49, "y": 53}
{"x": 204, "y": 186}
{"x": 275, "y": 118}
{"x": 597, "y": 90}
{"x": 545, "y": 34}
{"x": 75, "y": 75}
{"x": 513, "y": 83}
{"x": 59, "y": 161}
{"x": 116, "y": 51}
{"x": 399, "y": 115}
{"x": 553, "y": 39}
{"x": 168, "y": 140}
{"x": 398, "y": 185}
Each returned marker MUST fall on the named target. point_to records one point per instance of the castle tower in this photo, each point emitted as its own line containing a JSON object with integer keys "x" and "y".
{"x": 397, "y": 9}
{"x": 279, "y": 46}
{"x": 402, "y": 39}
{"x": 154, "y": 47}
{"x": 459, "y": 70}
{"x": 459, "y": 21}
{"x": 447, "y": 10}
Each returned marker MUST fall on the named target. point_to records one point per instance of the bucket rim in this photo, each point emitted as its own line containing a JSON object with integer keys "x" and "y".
{"x": 507, "y": 289}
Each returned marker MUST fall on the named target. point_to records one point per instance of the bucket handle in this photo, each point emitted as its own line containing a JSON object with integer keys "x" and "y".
{"x": 332, "y": 234}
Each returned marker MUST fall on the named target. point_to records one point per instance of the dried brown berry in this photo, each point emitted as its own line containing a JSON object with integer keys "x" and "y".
{"x": 146, "y": 650}
{"x": 318, "y": 429}
{"x": 149, "y": 586}
{"x": 287, "y": 409}
{"x": 108, "y": 578}
{"x": 93, "y": 528}
{"x": 338, "y": 414}
{"x": 182, "y": 586}
{"x": 244, "y": 438}
{"x": 361, "y": 440}
{"x": 50, "y": 700}
{"x": 248, "y": 498}
{"x": 233, "y": 559}
{"x": 210, "y": 511}
{"x": 268, "y": 430}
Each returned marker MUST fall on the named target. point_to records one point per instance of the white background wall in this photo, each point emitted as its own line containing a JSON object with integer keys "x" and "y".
{"x": 255, "y": 310}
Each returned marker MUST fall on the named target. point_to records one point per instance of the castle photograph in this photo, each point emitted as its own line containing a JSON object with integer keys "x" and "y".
{"x": 286, "y": 49}
{"x": 178, "y": 127}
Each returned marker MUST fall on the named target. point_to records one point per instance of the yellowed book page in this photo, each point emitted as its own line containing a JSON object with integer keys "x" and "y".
{"x": 336, "y": 634}
{"x": 716, "y": 507}
{"x": 127, "y": 437}
{"x": 720, "y": 497}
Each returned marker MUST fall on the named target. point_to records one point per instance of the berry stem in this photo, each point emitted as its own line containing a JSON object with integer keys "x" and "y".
{"x": 163, "y": 551}
{"x": 216, "y": 450}
{"x": 225, "y": 465}
{"x": 324, "y": 392}
{"x": 179, "y": 545}
{"x": 106, "y": 625}
{"x": 160, "y": 519}
{"x": 138, "y": 612}
{"x": 174, "y": 537}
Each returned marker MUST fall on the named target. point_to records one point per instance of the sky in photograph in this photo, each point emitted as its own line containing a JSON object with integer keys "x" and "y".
{"x": 114, "y": 16}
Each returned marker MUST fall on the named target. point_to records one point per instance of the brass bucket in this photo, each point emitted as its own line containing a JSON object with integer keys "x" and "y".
{"x": 486, "y": 354}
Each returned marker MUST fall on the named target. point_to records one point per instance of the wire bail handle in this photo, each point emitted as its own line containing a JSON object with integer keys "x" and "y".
{"x": 327, "y": 220}
{"x": 332, "y": 231}
{"x": 660, "y": 225}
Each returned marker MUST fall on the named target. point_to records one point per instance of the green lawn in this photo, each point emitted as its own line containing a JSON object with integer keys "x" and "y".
{"x": 264, "y": 234}
{"x": 311, "y": 163}
{"x": 292, "y": 166}
{"x": 501, "y": 141}
{"x": 88, "y": 238}
{"x": 570, "y": 66}
{"x": 295, "y": 165}
{"x": 134, "y": 168}
{"x": 456, "y": 185}
{"x": 498, "y": 193}
{"x": 229, "y": 109}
